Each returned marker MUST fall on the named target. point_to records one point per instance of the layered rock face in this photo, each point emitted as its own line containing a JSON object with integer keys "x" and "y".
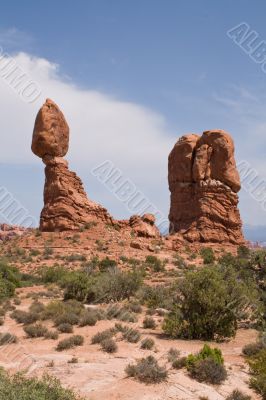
{"x": 203, "y": 181}
{"x": 66, "y": 206}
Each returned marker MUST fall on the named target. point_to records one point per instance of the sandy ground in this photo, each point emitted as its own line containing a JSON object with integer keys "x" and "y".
{"x": 100, "y": 376}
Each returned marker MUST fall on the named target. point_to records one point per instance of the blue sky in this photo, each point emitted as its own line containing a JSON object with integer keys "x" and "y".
{"x": 172, "y": 58}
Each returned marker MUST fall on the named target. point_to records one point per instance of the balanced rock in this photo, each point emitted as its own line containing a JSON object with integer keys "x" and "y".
{"x": 51, "y": 132}
{"x": 66, "y": 205}
{"x": 204, "y": 181}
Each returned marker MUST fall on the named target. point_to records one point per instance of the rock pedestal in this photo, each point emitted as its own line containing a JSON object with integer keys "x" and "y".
{"x": 66, "y": 205}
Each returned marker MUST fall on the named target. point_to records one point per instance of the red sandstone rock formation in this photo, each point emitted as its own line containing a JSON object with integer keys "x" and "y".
{"x": 203, "y": 181}
{"x": 144, "y": 226}
{"x": 66, "y": 206}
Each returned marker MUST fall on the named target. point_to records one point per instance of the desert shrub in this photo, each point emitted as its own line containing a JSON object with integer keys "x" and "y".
{"x": 88, "y": 318}
{"x": 76, "y": 286}
{"x": 201, "y": 309}
{"x": 121, "y": 328}
{"x": 147, "y": 370}
{"x": 69, "y": 343}
{"x": 61, "y": 312}
{"x": 132, "y": 335}
{"x": 90, "y": 266}
{"x": 257, "y": 365}
{"x": 127, "y": 317}
{"x": 179, "y": 261}
{"x": 65, "y": 328}
{"x": 154, "y": 263}
{"x": 134, "y": 307}
{"x": 207, "y": 365}
{"x": 7, "y": 338}
{"x": 53, "y": 274}
{"x": 2, "y": 312}
{"x": 67, "y": 318}
{"x": 252, "y": 349}
{"x": 112, "y": 285}
{"x": 147, "y": 344}
{"x": 101, "y": 336}
{"x": 237, "y": 395}
{"x": 37, "y": 307}
{"x": 160, "y": 296}
{"x": 34, "y": 252}
{"x": 73, "y": 360}
{"x": 17, "y": 301}
{"x": 206, "y": 352}
{"x": 118, "y": 285}
{"x": 21, "y": 388}
{"x": 207, "y": 255}
{"x": 48, "y": 251}
{"x": 109, "y": 345}
{"x": 243, "y": 251}
{"x": 149, "y": 323}
{"x": 24, "y": 317}
{"x": 36, "y": 330}
{"x": 75, "y": 257}
{"x": 51, "y": 335}
{"x": 179, "y": 363}
{"x": 107, "y": 264}
{"x": 173, "y": 354}
{"x": 7, "y": 288}
{"x": 208, "y": 371}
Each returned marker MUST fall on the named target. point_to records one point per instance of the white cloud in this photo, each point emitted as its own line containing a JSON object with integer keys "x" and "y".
{"x": 102, "y": 127}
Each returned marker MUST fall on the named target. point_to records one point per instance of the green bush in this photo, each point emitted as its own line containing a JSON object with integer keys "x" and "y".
{"x": 154, "y": 263}
{"x": 160, "y": 296}
{"x": 53, "y": 274}
{"x": 76, "y": 286}
{"x": 243, "y": 251}
{"x": 36, "y": 330}
{"x": 109, "y": 345}
{"x": 207, "y": 365}
{"x": 69, "y": 343}
{"x": 237, "y": 395}
{"x": 21, "y": 388}
{"x": 147, "y": 344}
{"x": 206, "y": 352}
{"x": 107, "y": 264}
{"x": 257, "y": 365}
{"x": 207, "y": 255}
{"x": 149, "y": 323}
{"x": 208, "y": 305}
{"x": 147, "y": 370}
{"x": 208, "y": 371}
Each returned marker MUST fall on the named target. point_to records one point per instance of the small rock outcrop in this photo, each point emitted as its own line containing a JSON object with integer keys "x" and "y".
{"x": 144, "y": 226}
{"x": 204, "y": 181}
{"x": 66, "y": 205}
